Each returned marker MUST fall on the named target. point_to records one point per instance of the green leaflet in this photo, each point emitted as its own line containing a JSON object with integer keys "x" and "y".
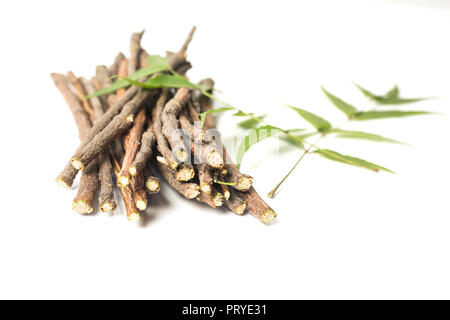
{"x": 252, "y": 122}
{"x": 319, "y": 123}
{"x": 346, "y": 108}
{"x": 391, "y": 97}
{"x": 375, "y": 114}
{"x": 164, "y": 81}
{"x": 336, "y": 156}
{"x": 242, "y": 114}
{"x": 393, "y": 93}
{"x": 155, "y": 60}
{"x": 252, "y": 138}
{"x": 156, "y": 64}
{"x": 217, "y": 110}
{"x": 362, "y": 135}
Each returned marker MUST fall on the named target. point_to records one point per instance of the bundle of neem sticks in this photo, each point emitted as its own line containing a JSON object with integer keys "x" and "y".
{"x": 132, "y": 134}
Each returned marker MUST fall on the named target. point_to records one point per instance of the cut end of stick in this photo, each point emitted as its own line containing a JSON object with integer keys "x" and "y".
{"x": 181, "y": 155}
{"x": 60, "y": 181}
{"x": 123, "y": 181}
{"x": 244, "y": 183}
{"x": 268, "y": 217}
{"x": 185, "y": 174}
{"x": 133, "y": 171}
{"x": 81, "y": 207}
{"x": 141, "y": 204}
{"x": 214, "y": 159}
{"x": 218, "y": 199}
{"x": 193, "y": 191}
{"x": 226, "y": 194}
{"x": 134, "y": 216}
{"x": 152, "y": 185}
{"x": 240, "y": 209}
{"x": 77, "y": 164}
{"x": 130, "y": 118}
{"x": 206, "y": 188}
{"x": 107, "y": 206}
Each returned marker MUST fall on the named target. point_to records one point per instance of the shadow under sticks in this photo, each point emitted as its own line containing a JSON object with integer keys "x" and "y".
{"x": 155, "y": 202}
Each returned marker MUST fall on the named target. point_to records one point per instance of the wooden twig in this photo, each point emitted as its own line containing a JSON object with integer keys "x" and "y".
{"x": 256, "y": 206}
{"x": 152, "y": 183}
{"x": 127, "y": 195}
{"x": 162, "y": 144}
{"x": 145, "y": 152}
{"x": 138, "y": 187}
{"x": 131, "y": 147}
{"x": 236, "y": 204}
{"x": 170, "y": 124}
{"x": 213, "y": 200}
{"x": 135, "y": 49}
{"x": 186, "y": 189}
{"x": 118, "y": 125}
{"x": 67, "y": 176}
{"x": 205, "y": 178}
{"x": 113, "y": 69}
{"x": 106, "y": 195}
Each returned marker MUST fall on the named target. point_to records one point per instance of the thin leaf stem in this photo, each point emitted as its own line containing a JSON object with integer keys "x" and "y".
{"x": 272, "y": 193}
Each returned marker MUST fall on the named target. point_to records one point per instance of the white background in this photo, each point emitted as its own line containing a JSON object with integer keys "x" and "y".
{"x": 342, "y": 232}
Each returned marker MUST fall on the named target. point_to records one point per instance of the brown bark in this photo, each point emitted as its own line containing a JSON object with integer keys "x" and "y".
{"x": 162, "y": 144}
{"x": 205, "y": 178}
{"x": 236, "y": 204}
{"x": 256, "y": 206}
{"x": 67, "y": 176}
{"x": 83, "y": 202}
{"x": 122, "y": 72}
{"x": 113, "y": 69}
{"x": 132, "y": 146}
{"x": 127, "y": 195}
{"x": 106, "y": 195}
{"x": 213, "y": 200}
{"x": 81, "y": 93}
{"x": 145, "y": 152}
{"x": 118, "y": 125}
{"x": 135, "y": 50}
{"x": 138, "y": 187}
{"x": 170, "y": 124}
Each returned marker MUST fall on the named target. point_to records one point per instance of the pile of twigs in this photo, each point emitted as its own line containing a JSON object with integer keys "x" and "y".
{"x": 129, "y": 135}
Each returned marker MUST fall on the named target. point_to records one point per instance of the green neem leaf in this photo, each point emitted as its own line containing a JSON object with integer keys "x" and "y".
{"x": 164, "y": 81}
{"x": 252, "y": 122}
{"x": 346, "y": 108}
{"x": 363, "y": 136}
{"x": 242, "y": 114}
{"x": 156, "y": 61}
{"x": 252, "y": 138}
{"x": 156, "y": 64}
{"x": 375, "y": 114}
{"x": 217, "y": 110}
{"x": 336, "y": 156}
{"x": 393, "y": 93}
{"x": 390, "y": 98}
{"x": 319, "y": 123}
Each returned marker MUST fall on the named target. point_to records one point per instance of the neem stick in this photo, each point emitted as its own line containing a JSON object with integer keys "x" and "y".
{"x": 106, "y": 195}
